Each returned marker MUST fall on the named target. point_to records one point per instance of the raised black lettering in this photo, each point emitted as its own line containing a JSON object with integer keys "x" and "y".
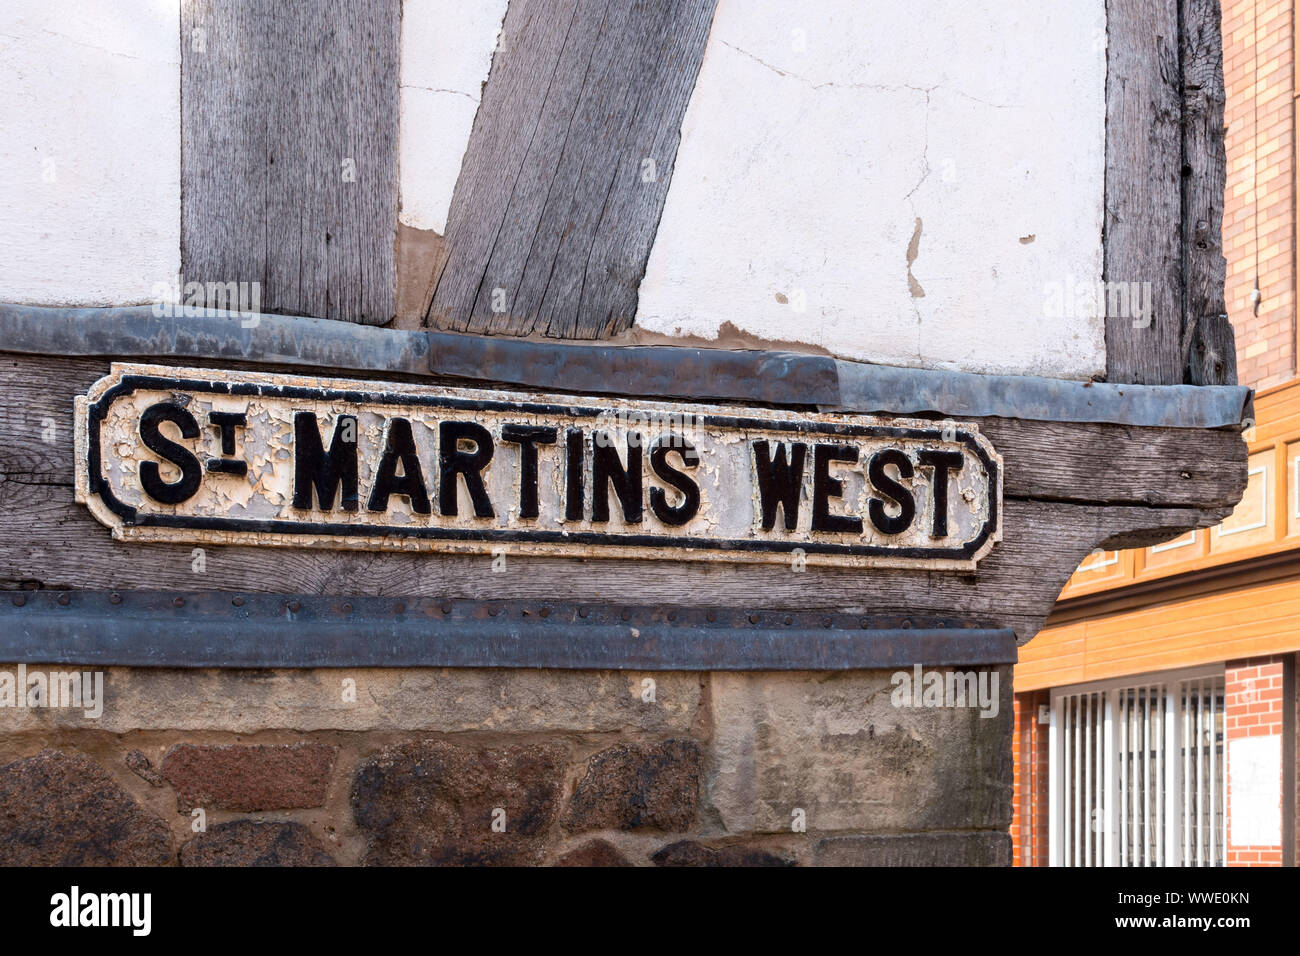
{"x": 825, "y": 488}
{"x": 690, "y": 506}
{"x": 944, "y": 463}
{"x": 169, "y": 493}
{"x": 892, "y": 490}
{"x": 452, "y": 461}
{"x": 399, "y": 448}
{"x": 607, "y": 469}
{"x": 528, "y": 437}
{"x": 779, "y": 481}
{"x": 313, "y": 469}
{"x": 226, "y": 423}
{"x": 573, "y": 490}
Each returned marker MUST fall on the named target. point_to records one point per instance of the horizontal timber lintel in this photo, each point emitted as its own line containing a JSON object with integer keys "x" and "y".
{"x": 695, "y": 374}
{"x": 221, "y": 629}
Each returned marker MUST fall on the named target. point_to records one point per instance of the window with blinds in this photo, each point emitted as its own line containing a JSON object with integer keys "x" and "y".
{"x": 1136, "y": 772}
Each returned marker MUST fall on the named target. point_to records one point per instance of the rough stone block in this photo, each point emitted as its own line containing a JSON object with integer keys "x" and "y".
{"x": 438, "y": 700}
{"x": 250, "y": 843}
{"x": 64, "y": 809}
{"x": 986, "y": 848}
{"x": 630, "y": 787}
{"x": 594, "y": 853}
{"x": 249, "y": 778}
{"x": 836, "y": 747}
{"x": 691, "y": 853}
{"x": 433, "y": 803}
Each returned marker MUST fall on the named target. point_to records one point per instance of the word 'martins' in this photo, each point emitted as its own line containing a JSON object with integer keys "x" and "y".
{"x": 168, "y": 454}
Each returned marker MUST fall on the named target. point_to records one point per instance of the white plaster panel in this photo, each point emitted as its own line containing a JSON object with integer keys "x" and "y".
{"x": 446, "y": 55}
{"x": 1255, "y": 788}
{"x": 829, "y": 142}
{"x": 90, "y": 157}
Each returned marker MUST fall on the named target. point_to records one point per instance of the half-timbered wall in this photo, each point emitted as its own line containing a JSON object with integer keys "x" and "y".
{"x": 898, "y": 210}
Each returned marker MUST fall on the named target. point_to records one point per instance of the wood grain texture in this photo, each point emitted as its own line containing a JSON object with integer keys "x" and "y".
{"x": 1143, "y": 188}
{"x": 1119, "y": 464}
{"x": 52, "y": 542}
{"x": 554, "y": 213}
{"x": 56, "y": 544}
{"x": 1069, "y": 488}
{"x": 1083, "y": 463}
{"x": 289, "y": 152}
{"x": 1208, "y": 341}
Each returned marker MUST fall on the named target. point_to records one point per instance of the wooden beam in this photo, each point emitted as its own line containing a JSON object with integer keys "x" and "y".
{"x": 1165, "y": 176}
{"x": 289, "y": 152}
{"x": 1082, "y": 463}
{"x": 1209, "y": 346}
{"x": 1121, "y": 484}
{"x": 52, "y": 542}
{"x": 1143, "y": 188}
{"x": 568, "y": 166}
{"x": 1092, "y": 463}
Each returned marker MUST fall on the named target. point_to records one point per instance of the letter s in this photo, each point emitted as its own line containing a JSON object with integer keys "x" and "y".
{"x": 151, "y": 434}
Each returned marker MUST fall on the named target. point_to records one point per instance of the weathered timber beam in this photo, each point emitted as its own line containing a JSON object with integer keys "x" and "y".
{"x": 289, "y": 153}
{"x": 1209, "y": 346}
{"x": 774, "y": 378}
{"x": 568, "y": 166}
{"x": 1165, "y": 176}
{"x": 1143, "y": 190}
{"x": 50, "y": 542}
{"x": 1086, "y": 463}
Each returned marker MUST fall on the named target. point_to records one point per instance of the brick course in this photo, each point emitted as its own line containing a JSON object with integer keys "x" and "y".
{"x": 1029, "y": 808}
{"x": 1259, "y": 213}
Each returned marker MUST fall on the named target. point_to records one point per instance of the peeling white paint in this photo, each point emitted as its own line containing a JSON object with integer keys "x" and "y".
{"x": 859, "y": 177}
{"x": 90, "y": 157}
{"x": 727, "y": 524}
{"x": 445, "y": 58}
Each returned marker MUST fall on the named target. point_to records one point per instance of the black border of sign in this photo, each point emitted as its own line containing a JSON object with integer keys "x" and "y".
{"x": 130, "y": 517}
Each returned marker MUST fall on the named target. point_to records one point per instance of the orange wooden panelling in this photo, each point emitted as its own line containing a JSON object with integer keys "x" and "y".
{"x": 1266, "y": 522}
{"x": 1243, "y": 622}
{"x": 1100, "y": 571}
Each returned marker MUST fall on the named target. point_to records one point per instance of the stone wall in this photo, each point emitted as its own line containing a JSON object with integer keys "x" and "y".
{"x": 474, "y": 767}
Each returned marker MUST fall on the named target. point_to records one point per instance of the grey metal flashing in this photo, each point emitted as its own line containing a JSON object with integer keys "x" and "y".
{"x": 660, "y": 371}
{"x": 132, "y": 332}
{"x": 219, "y": 629}
{"x": 871, "y": 388}
{"x": 692, "y": 374}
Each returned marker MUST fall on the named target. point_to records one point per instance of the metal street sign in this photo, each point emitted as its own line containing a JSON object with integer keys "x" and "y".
{"x": 222, "y": 457}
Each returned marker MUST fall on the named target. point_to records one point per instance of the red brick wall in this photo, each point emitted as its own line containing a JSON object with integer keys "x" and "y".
{"x": 1029, "y": 787}
{"x": 1253, "y": 706}
{"x": 1259, "y": 213}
